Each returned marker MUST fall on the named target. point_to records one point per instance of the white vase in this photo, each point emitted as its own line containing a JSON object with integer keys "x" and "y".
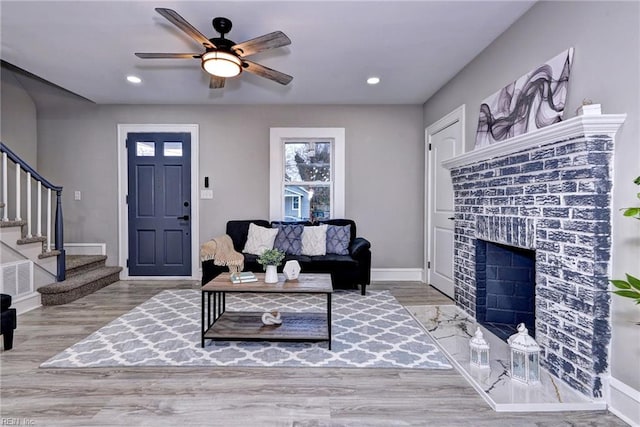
{"x": 271, "y": 275}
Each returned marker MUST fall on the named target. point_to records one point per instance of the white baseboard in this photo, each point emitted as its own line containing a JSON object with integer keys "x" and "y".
{"x": 26, "y": 303}
{"x": 624, "y": 402}
{"x": 85, "y": 248}
{"x": 396, "y": 274}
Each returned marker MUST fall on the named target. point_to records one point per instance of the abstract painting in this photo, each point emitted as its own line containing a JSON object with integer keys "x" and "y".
{"x": 534, "y": 101}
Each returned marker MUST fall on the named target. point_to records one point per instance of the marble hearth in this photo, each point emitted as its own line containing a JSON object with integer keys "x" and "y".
{"x": 548, "y": 191}
{"x": 451, "y": 328}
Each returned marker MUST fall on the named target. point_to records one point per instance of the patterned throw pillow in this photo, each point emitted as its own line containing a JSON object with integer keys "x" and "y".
{"x": 338, "y": 239}
{"x": 314, "y": 240}
{"x": 289, "y": 238}
{"x": 259, "y": 239}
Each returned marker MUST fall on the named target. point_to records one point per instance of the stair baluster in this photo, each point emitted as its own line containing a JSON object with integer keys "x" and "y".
{"x": 31, "y": 176}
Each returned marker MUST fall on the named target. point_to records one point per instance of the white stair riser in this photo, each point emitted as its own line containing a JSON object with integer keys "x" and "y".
{"x": 31, "y": 250}
{"x": 11, "y": 235}
{"x": 50, "y": 264}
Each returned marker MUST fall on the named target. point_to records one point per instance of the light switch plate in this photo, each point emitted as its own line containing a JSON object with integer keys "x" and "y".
{"x": 206, "y": 194}
{"x": 77, "y": 195}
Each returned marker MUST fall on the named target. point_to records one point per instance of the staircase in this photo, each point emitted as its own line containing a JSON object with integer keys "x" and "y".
{"x": 30, "y": 261}
{"x": 85, "y": 275}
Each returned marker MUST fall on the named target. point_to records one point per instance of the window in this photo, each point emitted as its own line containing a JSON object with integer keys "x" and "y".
{"x": 307, "y": 173}
{"x": 173, "y": 149}
{"x": 145, "y": 149}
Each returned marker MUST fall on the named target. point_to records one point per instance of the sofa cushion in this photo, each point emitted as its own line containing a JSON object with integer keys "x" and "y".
{"x": 289, "y": 238}
{"x": 338, "y": 238}
{"x": 342, "y": 222}
{"x": 259, "y": 239}
{"x": 239, "y": 229}
{"x": 329, "y": 263}
{"x": 314, "y": 240}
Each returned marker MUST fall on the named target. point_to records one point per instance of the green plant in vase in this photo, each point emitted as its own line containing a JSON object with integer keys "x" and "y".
{"x": 629, "y": 288}
{"x": 271, "y": 257}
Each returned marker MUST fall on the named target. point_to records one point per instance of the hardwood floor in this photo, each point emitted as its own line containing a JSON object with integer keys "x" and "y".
{"x": 231, "y": 396}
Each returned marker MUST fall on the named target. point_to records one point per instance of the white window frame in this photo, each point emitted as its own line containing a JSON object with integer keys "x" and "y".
{"x": 278, "y": 136}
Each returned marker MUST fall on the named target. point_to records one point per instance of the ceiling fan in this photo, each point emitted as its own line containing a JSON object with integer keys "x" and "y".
{"x": 222, "y": 57}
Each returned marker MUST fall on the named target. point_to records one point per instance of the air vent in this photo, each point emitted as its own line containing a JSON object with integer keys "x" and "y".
{"x": 17, "y": 279}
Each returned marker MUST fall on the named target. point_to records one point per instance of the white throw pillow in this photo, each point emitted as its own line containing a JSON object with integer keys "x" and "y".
{"x": 314, "y": 240}
{"x": 259, "y": 239}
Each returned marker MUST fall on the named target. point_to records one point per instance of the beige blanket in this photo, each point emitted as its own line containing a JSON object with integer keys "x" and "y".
{"x": 221, "y": 251}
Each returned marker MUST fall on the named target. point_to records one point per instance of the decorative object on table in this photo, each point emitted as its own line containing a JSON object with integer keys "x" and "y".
{"x": 222, "y": 252}
{"x": 478, "y": 350}
{"x": 272, "y": 318}
{"x": 525, "y": 357}
{"x": 243, "y": 277}
{"x": 270, "y": 259}
{"x": 588, "y": 108}
{"x": 291, "y": 269}
{"x": 533, "y": 101}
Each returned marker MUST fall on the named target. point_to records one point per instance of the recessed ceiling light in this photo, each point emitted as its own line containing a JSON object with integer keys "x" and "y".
{"x": 373, "y": 80}
{"x": 134, "y": 79}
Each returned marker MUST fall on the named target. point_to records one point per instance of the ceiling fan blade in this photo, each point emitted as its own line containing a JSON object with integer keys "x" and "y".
{"x": 216, "y": 82}
{"x": 168, "y": 55}
{"x": 262, "y": 43}
{"x": 180, "y": 22}
{"x": 267, "y": 72}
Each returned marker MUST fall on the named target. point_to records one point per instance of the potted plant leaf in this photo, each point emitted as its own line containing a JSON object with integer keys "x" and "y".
{"x": 629, "y": 288}
{"x": 270, "y": 260}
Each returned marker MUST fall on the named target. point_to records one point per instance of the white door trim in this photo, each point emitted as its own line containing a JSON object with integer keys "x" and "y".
{"x": 123, "y": 179}
{"x": 457, "y": 115}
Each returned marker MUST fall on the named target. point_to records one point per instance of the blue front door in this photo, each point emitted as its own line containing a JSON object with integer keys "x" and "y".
{"x": 159, "y": 204}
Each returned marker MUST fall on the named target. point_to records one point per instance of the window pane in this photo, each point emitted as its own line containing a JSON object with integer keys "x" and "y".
{"x": 307, "y": 202}
{"x": 173, "y": 149}
{"x": 307, "y": 161}
{"x": 145, "y": 149}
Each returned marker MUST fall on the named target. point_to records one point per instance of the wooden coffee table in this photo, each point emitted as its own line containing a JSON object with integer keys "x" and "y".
{"x": 221, "y": 325}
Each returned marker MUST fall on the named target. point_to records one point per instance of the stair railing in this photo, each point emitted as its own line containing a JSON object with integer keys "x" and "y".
{"x": 32, "y": 176}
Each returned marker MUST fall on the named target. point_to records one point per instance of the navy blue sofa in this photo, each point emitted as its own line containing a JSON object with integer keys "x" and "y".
{"x": 347, "y": 271}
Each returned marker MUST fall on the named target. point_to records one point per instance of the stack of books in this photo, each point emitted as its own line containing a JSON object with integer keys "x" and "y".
{"x": 243, "y": 277}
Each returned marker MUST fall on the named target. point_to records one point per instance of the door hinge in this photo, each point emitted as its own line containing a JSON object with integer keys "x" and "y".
{"x": 429, "y": 147}
{"x": 127, "y": 263}
{"x": 428, "y": 265}
{"x": 126, "y": 199}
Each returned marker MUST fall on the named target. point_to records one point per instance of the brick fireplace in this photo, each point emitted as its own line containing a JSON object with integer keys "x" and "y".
{"x": 548, "y": 193}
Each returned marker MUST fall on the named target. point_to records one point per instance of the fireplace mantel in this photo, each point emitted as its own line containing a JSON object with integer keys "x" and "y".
{"x": 586, "y": 125}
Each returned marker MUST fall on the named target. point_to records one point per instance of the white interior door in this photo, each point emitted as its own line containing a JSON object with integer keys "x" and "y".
{"x": 444, "y": 140}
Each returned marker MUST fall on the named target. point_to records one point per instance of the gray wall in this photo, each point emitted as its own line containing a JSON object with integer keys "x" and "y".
{"x": 606, "y": 38}
{"x": 384, "y": 157}
{"x": 18, "y": 125}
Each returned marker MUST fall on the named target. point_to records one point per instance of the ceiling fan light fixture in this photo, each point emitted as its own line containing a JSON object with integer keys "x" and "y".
{"x": 221, "y": 64}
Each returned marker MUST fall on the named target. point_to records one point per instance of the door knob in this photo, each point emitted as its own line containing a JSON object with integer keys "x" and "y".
{"x": 184, "y": 218}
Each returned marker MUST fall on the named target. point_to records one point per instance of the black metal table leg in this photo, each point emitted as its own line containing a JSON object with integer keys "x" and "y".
{"x": 203, "y": 324}
{"x": 329, "y": 318}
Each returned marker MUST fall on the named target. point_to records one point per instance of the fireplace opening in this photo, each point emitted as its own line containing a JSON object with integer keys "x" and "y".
{"x": 505, "y": 293}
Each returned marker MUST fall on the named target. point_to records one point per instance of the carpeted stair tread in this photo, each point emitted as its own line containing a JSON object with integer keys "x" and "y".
{"x": 77, "y": 264}
{"x": 78, "y": 286}
{"x": 49, "y": 254}
{"x": 79, "y": 280}
{"x": 10, "y": 223}
{"x": 34, "y": 239}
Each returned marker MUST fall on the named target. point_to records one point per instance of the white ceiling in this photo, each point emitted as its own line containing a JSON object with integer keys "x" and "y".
{"x": 415, "y": 47}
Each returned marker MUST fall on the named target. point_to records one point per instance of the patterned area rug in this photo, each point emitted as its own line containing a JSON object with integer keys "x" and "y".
{"x": 372, "y": 331}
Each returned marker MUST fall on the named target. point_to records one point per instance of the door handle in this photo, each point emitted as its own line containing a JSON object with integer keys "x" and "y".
{"x": 184, "y": 218}
{"x": 452, "y": 218}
